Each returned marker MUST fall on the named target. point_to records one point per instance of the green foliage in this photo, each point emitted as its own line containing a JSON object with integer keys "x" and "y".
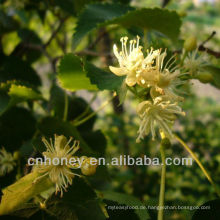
{"x": 28, "y": 37}
{"x": 126, "y": 200}
{"x": 97, "y": 15}
{"x": 71, "y": 74}
{"x": 15, "y": 195}
{"x": 14, "y": 68}
{"x": 102, "y": 79}
{"x": 215, "y": 72}
{"x": 77, "y": 202}
{"x": 213, "y": 205}
{"x": 21, "y": 93}
{"x": 16, "y": 125}
{"x": 162, "y": 20}
{"x": 7, "y": 23}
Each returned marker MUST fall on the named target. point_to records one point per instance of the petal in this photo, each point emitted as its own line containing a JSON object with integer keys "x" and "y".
{"x": 131, "y": 80}
{"x": 142, "y": 107}
{"x": 115, "y": 51}
{"x": 119, "y": 71}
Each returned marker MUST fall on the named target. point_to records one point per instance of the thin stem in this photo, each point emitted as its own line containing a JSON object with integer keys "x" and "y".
{"x": 198, "y": 162}
{"x": 86, "y": 110}
{"x": 77, "y": 123}
{"x": 66, "y": 103}
{"x": 184, "y": 57}
{"x": 162, "y": 182}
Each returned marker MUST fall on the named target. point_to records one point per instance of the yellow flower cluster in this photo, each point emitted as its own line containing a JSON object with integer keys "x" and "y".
{"x": 162, "y": 78}
{"x": 61, "y": 174}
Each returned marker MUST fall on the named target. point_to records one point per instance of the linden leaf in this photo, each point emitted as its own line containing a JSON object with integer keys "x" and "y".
{"x": 165, "y": 21}
{"x": 15, "y": 195}
{"x": 103, "y": 79}
{"x": 97, "y": 14}
{"x": 14, "y": 68}
{"x": 16, "y": 126}
{"x": 22, "y": 93}
{"x": 71, "y": 75}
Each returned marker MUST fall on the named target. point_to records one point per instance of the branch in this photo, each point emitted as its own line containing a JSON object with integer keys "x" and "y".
{"x": 99, "y": 37}
{"x": 92, "y": 53}
{"x": 209, "y": 38}
{"x": 208, "y": 50}
{"x": 53, "y": 35}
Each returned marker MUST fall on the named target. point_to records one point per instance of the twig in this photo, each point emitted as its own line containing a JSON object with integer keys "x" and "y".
{"x": 53, "y": 35}
{"x": 92, "y": 53}
{"x": 99, "y": 37}
{"x": 208, "y": 50}
{"x": 209, "y": 38}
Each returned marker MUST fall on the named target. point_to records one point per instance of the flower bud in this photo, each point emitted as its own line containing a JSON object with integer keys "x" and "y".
{"x": 16, "y": 155}
{"x": 190, "y": 43}
{"x": 205, "y": 77}
{"x": 89, "y": 166}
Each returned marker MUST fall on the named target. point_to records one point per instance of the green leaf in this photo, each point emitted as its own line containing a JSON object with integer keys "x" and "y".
{"x": 28, "y": 37}
{"x": 14, "y": 68}
{"x": 95, "y": 15}
{"x": 211, "y": 213}
{"x": 20, "y": 93}
{"x": 4, "y": 101}
{"x": 103, "y": 79}
{"x": 165, "y": 21}
{"x": 11, "y": 93}
{"x": 80, "y": 202}
{"x": 215, "y": 71}
{"x": 96, "y": 140}
{"x": 15, "y": 195}
{"x": 126, "y": 200}
{"x": 16, "y": 126}
{"x": 73, "y": 7}
{"x": 57, "y": 105}
{"x": 71, "y": 75}
{"x": 7, "y": 23}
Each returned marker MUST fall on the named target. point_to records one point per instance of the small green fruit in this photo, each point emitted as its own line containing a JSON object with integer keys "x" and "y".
{"x": 16, "y": 155}
{"x": 205, "y": 77}
{"x": 190, "y": 43}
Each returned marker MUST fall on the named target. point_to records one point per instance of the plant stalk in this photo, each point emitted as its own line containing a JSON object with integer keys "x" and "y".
{"x": 198, "y": 162}
{"x": 162, "y": 182}
{"x": 65, "y": 113}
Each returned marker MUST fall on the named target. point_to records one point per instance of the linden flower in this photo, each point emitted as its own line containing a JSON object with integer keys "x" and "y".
{"x": 160, "y": 112}
{"x": 162, "y": 78}
{"x": 7, "y": 162}
{"x": 60, "y": 174}
{"x": 194, "y": 62}
{"x": 129, "y": 61}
